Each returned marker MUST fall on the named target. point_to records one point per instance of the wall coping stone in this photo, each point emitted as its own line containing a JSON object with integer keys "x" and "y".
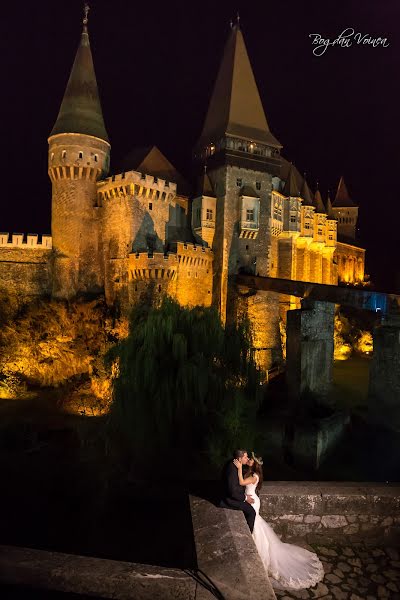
{"x": 95, "y": 576}
{"x": 226, "y": 553}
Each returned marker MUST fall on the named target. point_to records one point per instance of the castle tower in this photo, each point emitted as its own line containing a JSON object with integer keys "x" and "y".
{"x": 346, "y": 213}
{"x": 79, "y": 154}
{"x": 287, "y": 242}
{"x": 242, "y": 155}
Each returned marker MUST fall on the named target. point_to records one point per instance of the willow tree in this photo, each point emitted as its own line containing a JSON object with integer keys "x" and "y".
{"x": 185, "y": 382}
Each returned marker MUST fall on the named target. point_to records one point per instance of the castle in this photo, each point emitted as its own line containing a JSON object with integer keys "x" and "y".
{"x": 142, "y": 231}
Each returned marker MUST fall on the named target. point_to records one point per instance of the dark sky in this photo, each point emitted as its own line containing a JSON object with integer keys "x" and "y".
{"x": 156, "y": 64}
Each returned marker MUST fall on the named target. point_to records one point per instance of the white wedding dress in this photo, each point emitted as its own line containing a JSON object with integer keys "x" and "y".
{"x": 288, "y": 566}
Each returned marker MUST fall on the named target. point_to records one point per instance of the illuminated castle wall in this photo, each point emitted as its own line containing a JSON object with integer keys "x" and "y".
{"x": 140, "y": 233}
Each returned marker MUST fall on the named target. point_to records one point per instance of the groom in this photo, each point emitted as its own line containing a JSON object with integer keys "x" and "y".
{"x": 233, "y": 495}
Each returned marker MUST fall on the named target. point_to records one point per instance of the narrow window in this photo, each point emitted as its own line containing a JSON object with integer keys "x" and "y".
{"x": 95, "y": 158}
{"x": 239, "y": 182}
{"x": 258, "y": 185}
{"x": 159, "y": 288}
{"x": 80, "y": 154}
{"x": 293, "y": 218}
{"x": 150, "y": 206}
{"x": 64, "y": 154}
{"x": 52, "y": 156}
{"x": 247, "y": 247}
{"x": 250, "y": 214}
{"x": 209, "y": 214}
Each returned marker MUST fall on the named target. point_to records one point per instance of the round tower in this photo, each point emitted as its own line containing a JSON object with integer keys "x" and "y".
{"x": 79, "y": 155}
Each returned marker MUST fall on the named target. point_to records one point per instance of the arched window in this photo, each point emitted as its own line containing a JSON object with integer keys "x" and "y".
{"x": 80, "y": 154}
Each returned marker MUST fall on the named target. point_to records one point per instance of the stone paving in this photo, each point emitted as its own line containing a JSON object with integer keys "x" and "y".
{"x": 356, "y": 572}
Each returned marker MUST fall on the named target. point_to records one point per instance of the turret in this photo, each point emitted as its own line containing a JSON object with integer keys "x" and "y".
{"x": 346, "y": 213}
{"x": 79, "y": 155}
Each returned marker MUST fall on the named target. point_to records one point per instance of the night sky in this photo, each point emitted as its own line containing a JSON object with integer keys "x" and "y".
{"x": 156, "y": 64}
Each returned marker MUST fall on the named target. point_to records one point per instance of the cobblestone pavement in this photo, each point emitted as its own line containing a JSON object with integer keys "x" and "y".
{"x": 356, "y": 572}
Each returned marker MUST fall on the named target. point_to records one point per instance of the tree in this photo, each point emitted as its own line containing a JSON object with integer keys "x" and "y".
{"x": 186, "y": 384}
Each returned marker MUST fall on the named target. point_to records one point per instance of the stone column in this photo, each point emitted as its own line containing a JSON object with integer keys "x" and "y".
{"x": 384, "y": 377}
{"x": 309, "y": 353}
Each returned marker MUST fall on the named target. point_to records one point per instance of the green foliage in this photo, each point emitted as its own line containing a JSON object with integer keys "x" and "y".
{"x": 186, "y": 384}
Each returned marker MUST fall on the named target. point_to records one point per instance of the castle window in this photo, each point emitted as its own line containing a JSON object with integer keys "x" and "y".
{"x": 247, "y": 247}
{"x": 319, "y": 231}
{"x": 188, "y": 273}
{"x": 306, "y": 225}
{"x": 330, "y": 236}
{"x": 239, "y": 182}
{"x": 95, "y": 157}
{"x": 80, "y": 154}
{"x": 159, "y": 288}
{"x": 64, "y": 154}
{"x": 52, "y": 156}
{"x": 250, "y": 214}
{"x": 293, "y": 218}
{"x": 258, "y": 185}
{"x": 209, "y": 214}
{"x": 150, "y": 206}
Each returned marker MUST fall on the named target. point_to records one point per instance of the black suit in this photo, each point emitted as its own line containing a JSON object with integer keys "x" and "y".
{"x": 233, "y": 494}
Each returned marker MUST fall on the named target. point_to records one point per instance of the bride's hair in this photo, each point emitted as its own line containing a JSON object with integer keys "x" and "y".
{"x": 257, "y": 469}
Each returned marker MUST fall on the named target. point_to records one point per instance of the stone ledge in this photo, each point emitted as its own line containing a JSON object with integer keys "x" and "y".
{"x": 226, "y": 553}
{"x": 94, "y": 576}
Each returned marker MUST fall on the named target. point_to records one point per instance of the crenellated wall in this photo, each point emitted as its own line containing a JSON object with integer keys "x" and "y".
{"x": 25, "y": 265}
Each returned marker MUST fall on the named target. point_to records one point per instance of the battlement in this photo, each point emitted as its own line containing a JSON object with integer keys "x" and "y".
{"x": 30, "y": 241}
{"x": 188, "y": 248}
{"x": 145, "y": 266}
{"x": 133, "y": 183}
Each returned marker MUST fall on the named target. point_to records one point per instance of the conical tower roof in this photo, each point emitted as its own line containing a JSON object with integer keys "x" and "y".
{"x": 319, "y": 205}
{"x": 235, "y": 108}
{"x": 291, "y": 188}
{"x": 329, "y": 210}
{"x": 342, "y": 198}
{"x": 305, "y": 193}
{"x": 204, "y": 187}
{"x": 80, "y": 110}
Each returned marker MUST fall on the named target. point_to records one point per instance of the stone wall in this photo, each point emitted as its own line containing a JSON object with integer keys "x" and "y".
{"x": 329, "y": 512}
{"x": 25, "y": 272}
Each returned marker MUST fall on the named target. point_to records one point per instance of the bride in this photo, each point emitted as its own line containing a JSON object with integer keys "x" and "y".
{"x": 288, "y": 566}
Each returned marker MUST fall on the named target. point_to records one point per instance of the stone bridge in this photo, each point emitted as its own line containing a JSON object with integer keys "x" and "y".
{"x": 309, "y": 350}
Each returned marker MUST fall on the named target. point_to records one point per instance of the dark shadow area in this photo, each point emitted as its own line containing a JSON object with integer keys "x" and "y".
{"x": 61, "y": 494}
{"x": 15, "y": 592}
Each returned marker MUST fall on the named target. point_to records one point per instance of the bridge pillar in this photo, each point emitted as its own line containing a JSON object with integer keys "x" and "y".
{"x": 384, "y": 377}
{"x": 309, "y": 353}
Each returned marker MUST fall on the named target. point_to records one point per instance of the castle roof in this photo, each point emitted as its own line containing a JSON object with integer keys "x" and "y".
{"x": 342, "y": 198}
{"x": 80, "y": 110}
{"x": 305, "y": 193}
{"x": 151, "y": 161}
{"x": 205, "y": 187}
{"x": 319, "y": 205}
{"x": 329, "y": 210}
{"x": 235, "y": 108}
{"x": 291, "y": 187}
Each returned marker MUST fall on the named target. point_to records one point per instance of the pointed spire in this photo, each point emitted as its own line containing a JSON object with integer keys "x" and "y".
{"x": 319, "y": 205}
{"x": 329, "y": 211}
{"x": 80, "y": 110}
{"x": 305, "y": 193}
{"x": 235, "y": 108}
{"x": 342, "y": 198}
{"x": 291, "y": 188}
{"x": 205, "y": 187}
